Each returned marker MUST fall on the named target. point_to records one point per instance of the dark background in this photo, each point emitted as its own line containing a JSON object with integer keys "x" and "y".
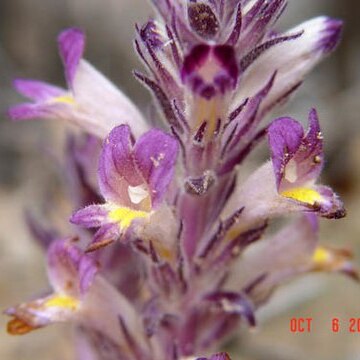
{"x": 28, "y": 29}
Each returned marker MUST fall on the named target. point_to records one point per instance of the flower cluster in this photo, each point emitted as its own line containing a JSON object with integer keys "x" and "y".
{"x": 171, "y": 250}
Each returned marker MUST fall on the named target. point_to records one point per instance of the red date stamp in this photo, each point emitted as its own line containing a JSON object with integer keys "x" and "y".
{"x": 306, "y": 325}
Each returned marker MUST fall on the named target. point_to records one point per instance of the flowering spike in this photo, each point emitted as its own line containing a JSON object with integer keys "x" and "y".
{"x": 186, "y": 264}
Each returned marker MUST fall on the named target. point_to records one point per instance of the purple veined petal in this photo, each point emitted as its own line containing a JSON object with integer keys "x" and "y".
{"x": 155, "y": 154}
{"x": 29, "y": 111}
{"x": 71, "y": 47}
{"x": 37, "y": 90}
{"x": 91, "y": 216}
{"x": 285, "y": 136}
{"x": 104, "y": 102}
{"x": 70, "y": 271}
{"x": 309, "y": 159}
{"x": 320, "y": 35}
{"x": 331, "y": 35}
{"x": 117, "y": 168}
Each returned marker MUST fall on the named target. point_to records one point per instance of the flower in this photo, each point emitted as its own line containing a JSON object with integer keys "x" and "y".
{"x": 91, "y": 101}
{"x": 133, "y": 178}
{"x": 298, "y": 160}
{"x": 287, "y": 183}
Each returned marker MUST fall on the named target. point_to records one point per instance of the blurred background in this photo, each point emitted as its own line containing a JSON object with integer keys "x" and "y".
{"x": 28, "y": 29}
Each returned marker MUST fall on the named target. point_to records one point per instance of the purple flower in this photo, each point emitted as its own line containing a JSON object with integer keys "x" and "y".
{"x": 71, "y": 275}
{"x": 133, "y": 179}
{"x": 91, "y": 101}
{"x": 287, "y": 184}
{"x": 298, "y": 160}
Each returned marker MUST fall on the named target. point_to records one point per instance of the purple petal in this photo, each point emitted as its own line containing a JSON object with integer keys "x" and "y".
{"x": 331, "y": 35}
{"x": 117, "y": 169}
{"x": 155, "y": 153}
{"x": 285, "y": 136}
{"x": 90, "y": 216}
{"x": 27, "y": 111}
{"x": 71, "y": 46}
{"x": 37, "y": 90}
{"x": 208, "y": 69}
{"x": 69, "y": 270}
{"x": 309, "y": 158}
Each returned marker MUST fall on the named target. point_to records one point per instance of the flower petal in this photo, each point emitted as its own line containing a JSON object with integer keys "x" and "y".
{"x": 37, "y": 90}
{"x": 29, "y": 111}
{"x": 285, "y": 136}
{"x": 117, "y": 169}
{"x": 292, "y": 59}
{"x": 71, "y": 47}
{"x": 297, "y": 159}
{"x": 309, "y": 158}
{"x": 261, "y": 199}
{"x": 91, "y": 216}
{"x": 104, "y": 102}
{"x": 70, "y": 271}
{"x": 155, "y": 154}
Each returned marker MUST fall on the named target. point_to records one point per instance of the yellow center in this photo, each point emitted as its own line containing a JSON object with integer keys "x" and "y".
{"x": 62, "y": 301}
{"x": 65, "y": 99}
{"x": 305, "y": 195}
{"x": 124, "y": 216}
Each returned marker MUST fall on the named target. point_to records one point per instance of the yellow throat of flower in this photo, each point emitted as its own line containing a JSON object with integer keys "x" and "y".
{"x": 124, "y": 216}
{"x": 64, "y": 99}
{"x": 305, "y": 195}
{"x": 62, "y": 301}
